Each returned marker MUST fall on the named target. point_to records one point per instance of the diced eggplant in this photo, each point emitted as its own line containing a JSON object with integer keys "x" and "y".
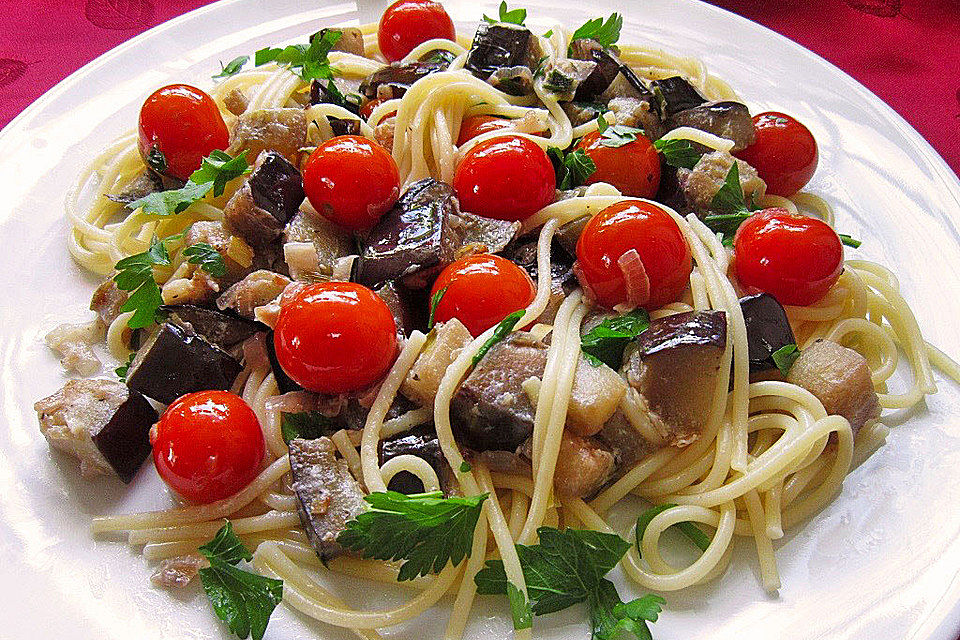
{"x": 331, "y": 241}
{"x": 327, "y": 495}
{"x": 563, "y": 279}
{"x": 107, "y": 300}
{"x": 730, "y": 120}
{"x": 674, "y": 366}
{"x": 637, "y": 112}
{"x": 490, "y": 410}
{"x": 676, "y": 94}
{"x": 258, "y": 211}
{"x": 626, "y": 443}
{"x": 568, "y": 234}
{"x": 101, "y": 422}
{"x": 284, "y": 382}
{"x": 414, "y": 240}
{"x": 339, "y": 92}
{"x": 840, "y": 378}
{"x": 224, "y": 330}
{"x": 441, "y": 349}
{"x": 700, "y": 184}
{"x": 596, "y": 394}
{"x": 582, "y": 112}
{"x": 563, "y": 77}
{"x": 603, "y": 74}
{"x": 177, "y": 361}
{"x": 439, "y": 56}
{"x": 350, "y": 41}
{"x": 236, "y": 101}
{"x": 399, "y": 305}
{"x": 493, "y": 235}
{"x": 257, "y": 289}
{"x": 768, "y": 330}
{"x": 394, "y": 79}
{"x": 344, "y": 126}
{"x": 283, "y": 130}
{"x": 423, "y": 443}
{"x": 583, "y": 466}
{"x": 516, "y": 81}
{"x": 501, "y": 45}
{"x": 143, "y": 185}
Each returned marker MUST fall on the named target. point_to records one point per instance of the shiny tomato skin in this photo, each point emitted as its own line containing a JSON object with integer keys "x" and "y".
{"x": 633, "y": 168}
{"x": 335, "y": 337}
{"x": 408, "y": 23}
{"x": 208, "y": 445}
{"x": 351, "y": 181}
{"x": 507, "y": 178}
{"x": 784, "y": 153}
{"x": 482, "y": 290}
{"x": 647, "y": 228}
{"x": 184, "y": 124}
{"x": 794, "y": 258}
{"x": 473, "y": 126}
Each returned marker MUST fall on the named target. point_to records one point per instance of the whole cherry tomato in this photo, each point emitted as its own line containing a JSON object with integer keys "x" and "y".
{"x": 335, "y": 337}
{"x": 351, "y": 181}
{"x": 507, "y": 178}
{"x": 179, "y": 126}
{"x": 633, "y": 168}
{"x": 473, "y": 126}
{"x": 795, "y": 258}
{"x": 208, "y": 445}
{"x": 784, "y": 153}
{"x": 407, "y": 23}
{"x": 482, "y": 290}
{"x": 657, "y": 239}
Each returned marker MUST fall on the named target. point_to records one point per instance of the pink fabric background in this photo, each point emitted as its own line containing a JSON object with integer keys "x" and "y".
{"x": 905, "y": 51}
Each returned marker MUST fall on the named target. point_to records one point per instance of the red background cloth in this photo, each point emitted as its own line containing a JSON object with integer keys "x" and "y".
{"x": 905, "y": 51}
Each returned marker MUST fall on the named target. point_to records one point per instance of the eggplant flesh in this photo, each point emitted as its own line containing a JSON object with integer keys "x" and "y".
{"x": 603, "y": 74}
{"x": 397, "y": 77}
{"x": 277, "y": 187}
{"x": 422, "y": 443}
{"x": 677, "y": 95}
{"x": 179, "y": 361}
{"x": 500, "y": 45}
{"x": 344, "y": 126}
{"x": 768, "y": 330}
{"x": 493, "y": 234}
{"x": 726, "y": 119}
{"x": 224, "y": 330}
{"x": 414, "y": 240}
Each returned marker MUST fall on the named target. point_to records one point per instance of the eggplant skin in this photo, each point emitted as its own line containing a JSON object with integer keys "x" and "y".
{"x": 178, "y": 361}
{"x": 124, "y": 440}
{"x": 496, "y": 46}
{"x": 692, "y": 328}
{"x": 397, "y": 77}
{"x": 768, "y": 330}
{"x": 422, "y": 443}
{"x": 225, "y": 330}
{"x": 277, "y": 187}
{"x": 677, "y": 95}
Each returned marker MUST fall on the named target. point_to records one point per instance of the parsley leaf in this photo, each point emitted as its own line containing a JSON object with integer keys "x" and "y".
{"x": 690, "y": 530}
{"x": 678, "y": 153}
{"x": 242, "y": 599}
{"x": 849, "y": 241}
{"x": 726, "y": 225}
{"x": 305, "y": 424}
{"x": 220, "y": 168}
{"x": 785, "y": 356}
{"x": 434, "y": 301}
{"x": 207, "y": 257}
{"x": 568, "y": 567}
{"x": 135, "y": 274}
{"x": 729, "y": 198}
{"x": 606, "y": 33}
{"x": 232, "y": 67}
{"x": 516, "y": 16}
{"x": 520, "y": 609}
{"x": 214, "y": 173}
{"x": 502, "y": 331}
{"x": 424, "y": 530}
{"x": 308, "y": 61}
{"x": 465, "y": 467}
{"x": 121, "y": 371}
{"x": 572, "y": 169}
{"x": 616, "y": 135}
{"x": 606, "y": 341}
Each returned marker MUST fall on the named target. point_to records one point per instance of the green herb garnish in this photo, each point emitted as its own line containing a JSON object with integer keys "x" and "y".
{"x": 678, "y": 153}
{"x": 502, "y": 331}
{"x": 434, "y": 301}
{"x": 242, "y": 599}
{"x": 207, "y": 257}
{"x": 785, "y": 356}
{"x": 135, "y": 274}
{"x": 122, "y": 370}
{"x": 465, "y": 467}
{"x": 605, "y": 32}
{"x": 849, "y": 241}
{"x": 513, "y": 16}
{"x": 426, "y": 531}
{"x": 520, "y": 609}
{"x": 306, "y": 424}
{"x": 615, "y": 135}
{"x": 606, "y": 341}
{"x": 571, "y": 169}
{"x": 308, "y": 61}
{"x": 214, "y": 173}
{"x": 232, "y": 67}
{"x": 690, "y": 530}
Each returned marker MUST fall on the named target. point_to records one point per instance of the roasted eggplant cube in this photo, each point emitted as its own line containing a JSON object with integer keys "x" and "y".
{"x": 490, "y": 410}
{"x": 729, "y": 120}
{"x": 422, "y": 443}
{"x": 178, "y": 361}
{"x": 768, "y": 330}
{"x": 414, "y": 240}
{"x": 603, "y": 74}
{"x": 277, "y": 187}
{"x": 327, "y": 495}
{"x": 493, "y": 234}
{"x": 496, "y": 46}
{"x": 224, "y": 330}
{"x": 398, "y": 76}
{"x": 677, "y": 94}
{"x": 674, "y": 366}
{"x": 101, "y": 422}
{"x": 320, "y": 93}
{"x": 344, "y": 126}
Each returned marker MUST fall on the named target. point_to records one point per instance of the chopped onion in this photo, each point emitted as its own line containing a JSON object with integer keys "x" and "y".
{"x": 635, "y": 278}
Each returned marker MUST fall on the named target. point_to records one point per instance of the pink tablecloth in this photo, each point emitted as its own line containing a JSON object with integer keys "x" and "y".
{"x": 905, "y": 51}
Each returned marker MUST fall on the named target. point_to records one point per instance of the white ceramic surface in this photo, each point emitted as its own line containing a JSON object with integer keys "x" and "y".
{"x": 883, "y": 561}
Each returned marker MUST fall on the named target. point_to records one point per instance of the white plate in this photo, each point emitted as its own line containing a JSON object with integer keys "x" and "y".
{"x": 881, "y": 562}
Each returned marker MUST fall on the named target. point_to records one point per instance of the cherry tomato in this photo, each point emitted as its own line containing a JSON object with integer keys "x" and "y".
{"x": 507, "y": 178}
{"x": 351, "y": 181}
{"x": 335, "y": 337}
{"x": 784, "y": 153}
{"x": 367, "y": 109}
{"x": 795, "y": 258}
{"x": 633, "y": 168}
{"x": 482, "y": 290}
{"x": 473, "y": 126}
{"x": 407, "y": 23}
{"x": 657, "y": 239}
{"x": 179, "y": 126}
{"x": 208, "y": 445}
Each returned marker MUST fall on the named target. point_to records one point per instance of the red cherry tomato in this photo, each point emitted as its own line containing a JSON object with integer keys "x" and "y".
{"x": 507, "y": 178}
{"x": 367, "y": 109}
{"x": 351, "y": 181}
{"x": 633, "y": 168}
{"x": 182, "y": 125}
{"x": 794, "y": 258}
{"x": 784, "y": 153}
{"x": 407, "y": 23}
{"x": 473, "y": 126}
{"x": 482, "y": 290}
{"x": 646, "y": 228}
{"x": 208, "y": 445}
{"x": 335, "y": 337}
